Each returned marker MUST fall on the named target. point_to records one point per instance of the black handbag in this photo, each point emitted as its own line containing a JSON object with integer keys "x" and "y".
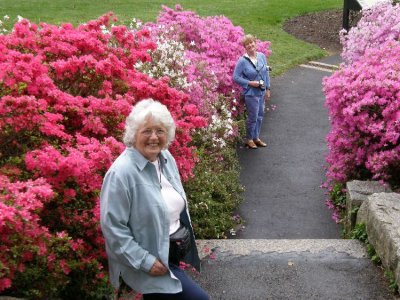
{"x": 179, "y": 244}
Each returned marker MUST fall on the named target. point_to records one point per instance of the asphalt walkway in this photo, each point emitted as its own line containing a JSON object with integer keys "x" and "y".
{"x": 289, "y": 247}
{"x": 283, "y": 198}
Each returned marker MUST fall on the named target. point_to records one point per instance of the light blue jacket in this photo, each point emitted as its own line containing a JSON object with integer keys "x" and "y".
{"x": 245, "y": 72}
{"x": 135, "y": 224}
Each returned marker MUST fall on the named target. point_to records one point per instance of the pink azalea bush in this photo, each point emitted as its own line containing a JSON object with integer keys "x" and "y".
{"x": 377, "y": 26}
{"x": 65, "y": 93}
{"x": 364, "y": 108}
{"x": 363, "y": 99}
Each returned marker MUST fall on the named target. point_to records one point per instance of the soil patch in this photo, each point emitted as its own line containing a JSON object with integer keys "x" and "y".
{"x": 321, "y": 28}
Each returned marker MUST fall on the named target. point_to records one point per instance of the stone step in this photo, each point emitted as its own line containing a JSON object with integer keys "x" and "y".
{"x": 353, "y": 248}
{"x": 289, "y": 269}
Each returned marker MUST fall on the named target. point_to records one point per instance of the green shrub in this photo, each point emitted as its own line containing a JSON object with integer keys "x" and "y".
{"x": 338, "y": 196}
{"x": 394, "y": 287}
{"x": 360, "y": 233}
{"x": 214, "y": 193}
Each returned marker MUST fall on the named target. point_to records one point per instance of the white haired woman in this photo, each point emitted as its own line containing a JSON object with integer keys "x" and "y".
{"x": 144, "y": 213}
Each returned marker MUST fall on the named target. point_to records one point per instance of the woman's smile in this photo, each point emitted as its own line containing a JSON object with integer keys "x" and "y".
{"x": 151, "y": 138}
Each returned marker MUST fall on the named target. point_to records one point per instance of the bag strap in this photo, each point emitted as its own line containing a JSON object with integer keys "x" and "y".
{"x": 251, "y": 62}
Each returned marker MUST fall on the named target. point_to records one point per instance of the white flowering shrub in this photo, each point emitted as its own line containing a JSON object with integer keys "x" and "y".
{"x": 3, "y": 21}
{"x": 222, "y": 130}
{"x": 168, "y": 59}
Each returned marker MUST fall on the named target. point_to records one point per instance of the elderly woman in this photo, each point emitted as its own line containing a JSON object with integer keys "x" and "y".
{"x": 252, "y": 74}
{"x": 144, "y": 212}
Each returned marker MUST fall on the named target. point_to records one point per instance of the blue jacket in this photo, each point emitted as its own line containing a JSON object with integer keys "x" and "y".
{"x": 135, "y": 223}
{"x": 245, "y": 72}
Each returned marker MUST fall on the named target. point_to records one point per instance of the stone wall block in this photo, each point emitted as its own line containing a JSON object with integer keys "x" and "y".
{"x": 357, "y": 193}
{"x": 381, "y": 215}
{"x": 397, "y": 274}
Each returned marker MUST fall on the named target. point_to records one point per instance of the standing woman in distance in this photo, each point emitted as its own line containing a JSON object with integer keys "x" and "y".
{"x": 252, "y": 74}
{"x": 144, "y": 213}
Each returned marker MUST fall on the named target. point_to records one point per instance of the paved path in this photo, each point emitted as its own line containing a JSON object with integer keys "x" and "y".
{"x": 283, "y": 198}
{"x": 291, "y": 270}
{"x": 290, "y": 248}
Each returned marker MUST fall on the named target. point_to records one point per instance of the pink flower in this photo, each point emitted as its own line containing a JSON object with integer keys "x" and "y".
{"x": 64, "y": 266}
{"x": 5, "y": 283}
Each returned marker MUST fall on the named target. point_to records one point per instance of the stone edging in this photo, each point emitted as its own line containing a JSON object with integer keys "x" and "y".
{"x": 370, "y": 203}
{"x": 354, "y": 248}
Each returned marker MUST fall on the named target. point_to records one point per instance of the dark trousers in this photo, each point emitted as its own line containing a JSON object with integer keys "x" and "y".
{"x": 190, "y": 289}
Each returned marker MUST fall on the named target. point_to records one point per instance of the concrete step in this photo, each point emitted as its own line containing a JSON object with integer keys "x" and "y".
{"x": 289, "y": 269}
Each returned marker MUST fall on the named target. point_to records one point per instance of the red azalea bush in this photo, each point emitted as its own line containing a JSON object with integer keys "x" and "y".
{"x": 364, "y": 107}
{"x": 65, "y": 93}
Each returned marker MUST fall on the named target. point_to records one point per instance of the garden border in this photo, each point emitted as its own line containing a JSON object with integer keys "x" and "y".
{"x": 372, "y": 204}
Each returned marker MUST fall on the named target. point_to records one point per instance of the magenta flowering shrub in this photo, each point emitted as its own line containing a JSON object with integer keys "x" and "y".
{"x": 65, "y": 93}
{"x": 377, "y": 26}
{"x": 363, "y": 102}
{"x": 363, "y": 99}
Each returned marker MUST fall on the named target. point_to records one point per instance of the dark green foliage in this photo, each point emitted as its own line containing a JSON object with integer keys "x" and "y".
{"x": 214, "y": 193}
{"x": 360, "y": 233}
{"x": 338, "y": 196}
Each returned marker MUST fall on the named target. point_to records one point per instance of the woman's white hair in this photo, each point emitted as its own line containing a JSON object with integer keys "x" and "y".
{"x": 141, "y": 112}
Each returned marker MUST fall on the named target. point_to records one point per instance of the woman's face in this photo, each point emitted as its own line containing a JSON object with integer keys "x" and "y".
{"x": 251, "y": 48}
{"x": 151, "y": 138}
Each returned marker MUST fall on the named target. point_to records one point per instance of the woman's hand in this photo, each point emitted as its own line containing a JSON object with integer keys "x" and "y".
{"x": 254, "y": 83}
{"x": 267, "y": 94}
{"x": 158, "y": 269}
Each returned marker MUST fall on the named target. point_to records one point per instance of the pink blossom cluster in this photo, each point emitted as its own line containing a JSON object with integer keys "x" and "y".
{"x": 18, "y": 204}
{"x": 363, "y": 99}
{"x": 24, "y": 240}
{"x": 378, "y": 25}
{"x": 65, "y": 93}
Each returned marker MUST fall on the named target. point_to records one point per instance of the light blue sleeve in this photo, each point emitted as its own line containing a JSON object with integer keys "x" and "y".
{"x": 238, "y": 74}
{"x": 115, "y": 208}
{"x": 267, "y": 79}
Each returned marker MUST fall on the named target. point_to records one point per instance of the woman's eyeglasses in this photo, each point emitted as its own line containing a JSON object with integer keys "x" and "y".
{"x": 149, "y": 132}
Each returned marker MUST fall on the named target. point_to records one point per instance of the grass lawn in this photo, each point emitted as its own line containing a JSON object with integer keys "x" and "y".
{"x": 264, "y": 19}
